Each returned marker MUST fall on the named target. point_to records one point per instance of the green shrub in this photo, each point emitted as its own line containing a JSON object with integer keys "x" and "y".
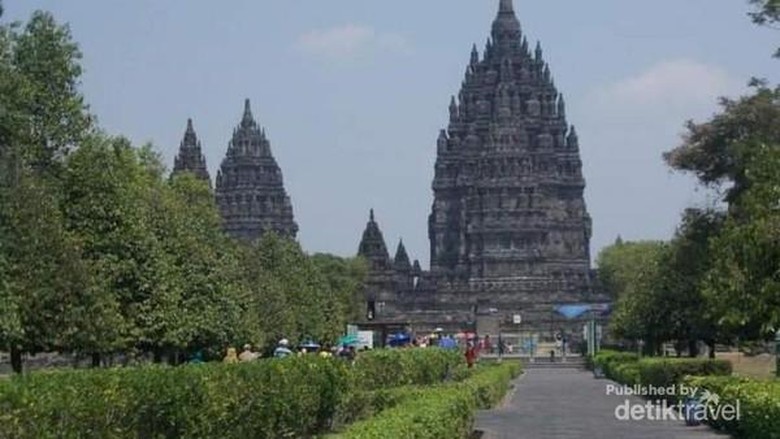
{"x": 393, "y": 368}
{"x": 260, "y": 400}
{"x": 627, "y": 368}
{"x": 625, "y": 373}
{"x": 759, "y": 403}
{"x": 608, "y": 360}
{"x": 663, "y": 372}
{"x": 294, "y": 397}
{"x": 439, "y": 412}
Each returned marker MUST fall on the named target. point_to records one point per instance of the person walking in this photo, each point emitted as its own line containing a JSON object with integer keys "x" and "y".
{"x": 247, "y": 355}
{"x": 471, "y": 354}
{"x": 283, "y": 349}
{"x": 230, "y": 357}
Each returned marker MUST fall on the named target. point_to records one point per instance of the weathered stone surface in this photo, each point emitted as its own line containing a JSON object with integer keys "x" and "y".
{"x": 190, "y": 157}
{"x": 509, "y": 229}
{"x": 250, "y": 190}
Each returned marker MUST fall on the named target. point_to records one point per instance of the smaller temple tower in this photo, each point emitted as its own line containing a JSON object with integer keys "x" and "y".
{"x": 190, "y": 157}
{"x": 250, "y": 189}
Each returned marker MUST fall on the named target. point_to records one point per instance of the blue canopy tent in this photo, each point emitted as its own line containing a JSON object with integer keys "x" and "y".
{"x": 572, "y": 311}
{"x": 399, "y": 339}
{"x": 350, "y": 339}
{"x": 577, "y": 310}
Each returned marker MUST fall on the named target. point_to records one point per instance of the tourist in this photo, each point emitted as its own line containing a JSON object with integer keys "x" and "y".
{"x": 471, "y": 354}
{"x": 197, "y": 358}
{"x": 348, "y": 353}
{"x": 230, "y": 357}
{"x": 283, "y": 349}
{"x": 247, "y": 355}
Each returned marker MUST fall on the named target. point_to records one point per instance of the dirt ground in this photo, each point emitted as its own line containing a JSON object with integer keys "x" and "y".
{"x": 759, "y": 366}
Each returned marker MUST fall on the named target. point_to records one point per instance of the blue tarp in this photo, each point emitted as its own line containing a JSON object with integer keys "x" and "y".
{"x": 574, "y": 311}
{"x": 399, "y": 339}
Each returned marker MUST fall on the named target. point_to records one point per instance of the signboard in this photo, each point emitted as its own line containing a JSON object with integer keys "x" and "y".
{"x": 517, "y": 319}
{"x": 365, "y": 339}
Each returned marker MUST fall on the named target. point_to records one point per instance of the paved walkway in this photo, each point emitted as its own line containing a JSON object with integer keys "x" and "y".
{"x": 571, "y": 404}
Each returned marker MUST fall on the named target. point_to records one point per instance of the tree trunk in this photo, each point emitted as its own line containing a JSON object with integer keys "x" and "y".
{"x": 711, "y": 347}
{"x": 157, "y": 356}
{"x": 693, "y": 348}
{"x": 16, "y": 360}
{"x": 95, "y": 360}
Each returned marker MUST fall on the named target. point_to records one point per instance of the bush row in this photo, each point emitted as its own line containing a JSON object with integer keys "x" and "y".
{"x": 386, "y": 368}
{"x": 759, "y": 403}
{"x": 294, "y": 397}
{"x": 439, "y": 412}
{"x": 629, "y": 369}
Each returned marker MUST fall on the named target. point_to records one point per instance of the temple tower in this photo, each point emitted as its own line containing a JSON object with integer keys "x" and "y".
{"x": 509, "y": 225}
{"x": 250, "y": 190}
{"x": 190, "y": 157}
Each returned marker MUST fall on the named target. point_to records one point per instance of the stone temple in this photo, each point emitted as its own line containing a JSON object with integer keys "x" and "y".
{"x": 190, "y": 158}
{"x": 509, "y": 230}
{"x": 250, "y": 190}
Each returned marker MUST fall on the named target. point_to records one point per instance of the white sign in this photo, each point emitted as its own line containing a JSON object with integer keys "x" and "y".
{"x": 517, "y": 319}
{"x": 365, "y": 339}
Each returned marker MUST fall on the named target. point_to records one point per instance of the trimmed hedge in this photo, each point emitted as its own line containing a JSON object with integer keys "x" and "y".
{"x": 440, "y": 412}
{"x": 662, "y": 372}
{"x": 294, "y": 397}
{"x": 385, "y": 368}
{"x": 629, "y": 369}
{"x": 759, "y": 403}
{"x": 609, "y": 360}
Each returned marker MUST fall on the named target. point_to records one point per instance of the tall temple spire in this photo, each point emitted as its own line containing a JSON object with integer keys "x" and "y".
{"x": 372, "y": 244}
{"x": 250, "y": 189}
{"x": 506, "y": 27}
{"x": 247, "y": 119}
{"x": 506, "y": 7}
{"x": 509, "y": 110}
{"x": 401, "y": 261}
{"x": 190, "y": 157}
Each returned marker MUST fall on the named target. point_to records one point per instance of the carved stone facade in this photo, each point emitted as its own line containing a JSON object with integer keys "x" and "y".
{"x": 249, "y": 188}
{"x": 509, "y": 230}
{"x": 190, "y": 157}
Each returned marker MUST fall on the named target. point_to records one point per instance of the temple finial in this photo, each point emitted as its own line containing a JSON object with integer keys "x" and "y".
{"x": 190, "y": 129}
{"x": 561, "y": 106}
{"x": 506, "y": 7}
{"x": 539, "y": 52}
{"x": 371, "y": 215}
{"x": 247, "y": 119}
{"x": 474, "y": 55}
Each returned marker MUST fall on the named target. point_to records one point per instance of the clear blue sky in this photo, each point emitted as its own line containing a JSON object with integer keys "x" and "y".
{"x": 352, "y": 93}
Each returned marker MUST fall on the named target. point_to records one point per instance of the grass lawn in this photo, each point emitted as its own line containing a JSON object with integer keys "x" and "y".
{"x": 758, "y": 366}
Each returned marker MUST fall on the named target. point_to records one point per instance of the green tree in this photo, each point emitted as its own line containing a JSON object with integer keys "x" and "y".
{"x": 346, "y": 278}
{"x": 106, "y": 193}
{"x": 683, "y": 271}
{"x": 715, "y": 151}
{"x": 766, "y": 13}
{"x": 744, "y": 282}
{"x": 205, "y": 304}
{"x": 44, "y": 112}
{"x": 618, "y": 264}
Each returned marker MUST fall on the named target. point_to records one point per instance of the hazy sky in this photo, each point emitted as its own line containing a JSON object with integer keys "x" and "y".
{"x": 352, "y": 93}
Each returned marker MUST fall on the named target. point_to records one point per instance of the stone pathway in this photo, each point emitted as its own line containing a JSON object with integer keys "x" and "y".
{"x": 571, "y": 404}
